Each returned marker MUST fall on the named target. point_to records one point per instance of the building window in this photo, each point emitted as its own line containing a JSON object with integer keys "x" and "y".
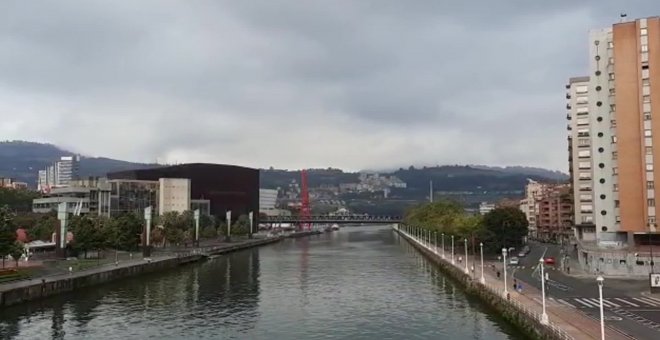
{"x": 584, "y": 153}
{"x": 615, "y": 187}
{"x": 651, "y": 219}
{"x": 648, "y": 150}
{"x": 613, "y": 139}
{"x": 650, "y": 202}
{"x": 612, "y": 91}
{"x": 647, "y": 115}
{"x": 649, "y": 167}
{"x": 646, "y": 99}
{"x": 618, "y": 219}
{"x": 645, "y": 48}
{"x": 643, "y": 31}
{"x": 612, "y": 107}
{"x": 611, "y": 61}
{"x": 647, "y": 133}
{"x": 645, "y": 73}
{"x": 584, "y": 165}
{"x": 616, "y": 203}
{"x": 615, "y": 171}
{"x": 611, "y": 76}
{"x": 581, "y": 89}
{"x": 650, "y": 185}
{"x": 645, "y": 82}
{"x": 582, "y": 100}
{"x": 603, "y": 212}
{"x": 610, "y": 44}
{"x": 615, "y": 155}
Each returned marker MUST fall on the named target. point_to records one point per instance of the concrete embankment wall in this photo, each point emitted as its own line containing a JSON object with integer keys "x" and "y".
{"x": 510, "y": 312}
{"x": 38, "y": 289}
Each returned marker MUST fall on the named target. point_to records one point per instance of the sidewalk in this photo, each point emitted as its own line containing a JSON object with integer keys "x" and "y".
{"x": 571, "y": 321}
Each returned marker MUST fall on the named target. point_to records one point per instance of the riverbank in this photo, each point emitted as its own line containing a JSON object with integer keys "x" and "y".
{"x": 520, "y": 310}
{"x": 41, "y": 287}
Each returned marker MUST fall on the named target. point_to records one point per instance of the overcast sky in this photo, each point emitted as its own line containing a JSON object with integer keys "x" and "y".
{"x": 292, "y": 83}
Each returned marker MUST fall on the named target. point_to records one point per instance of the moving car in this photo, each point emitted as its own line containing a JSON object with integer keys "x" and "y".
{"x": 514, "y": 260}
{"x": 549, "y": 260}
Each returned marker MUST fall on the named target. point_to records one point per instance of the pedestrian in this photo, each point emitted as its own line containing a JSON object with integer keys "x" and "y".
{"x": 568, "y": 270}
{"x": 498, "y": 274}
{"x": 515, "y": 284}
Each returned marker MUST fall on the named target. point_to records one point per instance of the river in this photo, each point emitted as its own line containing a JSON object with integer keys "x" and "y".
{"x": 357, "y": 283}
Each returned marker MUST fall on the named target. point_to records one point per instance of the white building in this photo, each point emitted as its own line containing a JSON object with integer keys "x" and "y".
{"x": 485, "y": 207}
{"x": 173, "y": 195}
{"x": 580, "y": 155}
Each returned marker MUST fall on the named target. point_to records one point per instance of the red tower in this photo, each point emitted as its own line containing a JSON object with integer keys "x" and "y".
{"x": 305, "y": 210}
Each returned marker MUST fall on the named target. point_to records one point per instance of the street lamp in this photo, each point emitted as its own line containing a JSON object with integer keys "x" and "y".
{"x": 467, "y": 271}
{"x": 506, "y": 290}
{"x": 452, "y": 250}
{"x": 544, "y": 316}
{"x": 600, "y": 280}
{"x": 443, "y": 245}
{"x": 483, "y": 279}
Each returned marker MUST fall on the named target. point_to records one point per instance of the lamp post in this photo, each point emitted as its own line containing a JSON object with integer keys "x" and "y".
{"x": 467, "y": 271}
{"x": 483, "y": 279}
{"x": 435, "y": 242}
{"x": 506, "y": 289}
{"x": 544, "y": 315}
{"x": 600, "y": 280}
{"x": 443, "y": 245}
{"x": 452, "y": 250}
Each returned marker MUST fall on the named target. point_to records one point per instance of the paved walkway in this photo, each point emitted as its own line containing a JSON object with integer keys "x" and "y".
{"x": 575, "y": 324}
{"x": 137, "y": 259}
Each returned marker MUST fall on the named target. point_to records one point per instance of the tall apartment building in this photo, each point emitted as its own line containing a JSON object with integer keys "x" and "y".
{"x": 61, "y": 173}
{"x": 623, "y": 127}
{"x": 554, "y": 220}
{"x": 580, "y": 156}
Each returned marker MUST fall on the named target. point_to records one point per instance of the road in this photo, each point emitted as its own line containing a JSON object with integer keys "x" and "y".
{"x": 627, "y": 305}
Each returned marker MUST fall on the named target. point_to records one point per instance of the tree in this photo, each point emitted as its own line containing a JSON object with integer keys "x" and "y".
{"x": 7, "y": 233}
{"x": 88, "y": 233}
{"x": 17, "y": 251}
{"x": 44, "y": 227}
{"x": 174, "y": 225}
{"x": 504, "y": 227}
{"x": 439, "y": 216}
{"x": 124, "y": 232}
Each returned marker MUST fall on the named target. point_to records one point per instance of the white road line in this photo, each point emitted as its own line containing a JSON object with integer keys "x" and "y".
{"x": 610, "y": 304}
{"x": 652, "y": 298}
{"x": 645, "y": 302}
{"x": 595, "y": 302}
{"x": 562, "y": 301}
{"x": 624, "y": 301}
{"x": 585, "y": 302}
{"x": 650, "y": 302}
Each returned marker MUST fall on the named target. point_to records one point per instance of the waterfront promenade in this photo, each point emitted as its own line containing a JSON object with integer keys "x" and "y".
{"x": 42, "y": 286}
{"x": 566, "y": 321}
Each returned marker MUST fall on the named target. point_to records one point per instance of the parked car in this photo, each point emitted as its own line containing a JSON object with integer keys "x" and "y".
{"x": 514, "y": 260}
{"x": 550, "y": 260}
{"x": 522, "y": 254}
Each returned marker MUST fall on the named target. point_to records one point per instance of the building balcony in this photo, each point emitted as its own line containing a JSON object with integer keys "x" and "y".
{"x": 568, "y": 116}
{"x": 568, "y": 96}
{"x": 568, "y": 106}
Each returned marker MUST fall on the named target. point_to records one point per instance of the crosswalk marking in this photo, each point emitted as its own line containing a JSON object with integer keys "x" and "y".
{"x": 564, "y": 302}
{"x": 586, "y": 302}
{"x": 648, "y": 301}
{"x": 625, "y": 301}
{"x": 654, "y": 299}
{"x": 610, "y": 304}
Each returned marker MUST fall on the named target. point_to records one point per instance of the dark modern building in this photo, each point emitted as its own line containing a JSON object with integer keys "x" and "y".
{"x": 225, "y": 187}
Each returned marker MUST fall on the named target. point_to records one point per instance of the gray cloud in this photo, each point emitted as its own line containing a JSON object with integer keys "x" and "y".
{"x": 355, "y": 84}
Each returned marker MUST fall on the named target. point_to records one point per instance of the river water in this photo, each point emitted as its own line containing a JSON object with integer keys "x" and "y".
{"x": 357, "y": 283}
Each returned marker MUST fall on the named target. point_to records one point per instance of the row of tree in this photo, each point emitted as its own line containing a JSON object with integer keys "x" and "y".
{"x": 497, "y": 229}
{"x": 123, "y": 232}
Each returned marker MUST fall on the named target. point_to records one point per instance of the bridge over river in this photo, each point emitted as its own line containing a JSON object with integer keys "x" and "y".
{"x": 330, "y": 219}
